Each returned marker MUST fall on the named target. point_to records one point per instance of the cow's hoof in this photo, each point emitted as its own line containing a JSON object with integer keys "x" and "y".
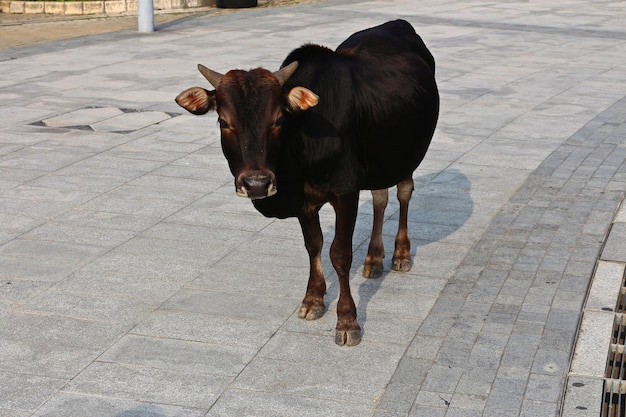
{"x": 372, "y": 271}
{"x": 307, "y": 312}
{"x": 348, "y": 337}
{"x": 402, "y": 265}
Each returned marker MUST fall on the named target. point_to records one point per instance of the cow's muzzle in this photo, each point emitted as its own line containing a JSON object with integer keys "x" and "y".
{"x": 256, "y": 185}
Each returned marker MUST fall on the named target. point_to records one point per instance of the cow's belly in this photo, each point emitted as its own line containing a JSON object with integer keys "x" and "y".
{"x": 384, "y": 167}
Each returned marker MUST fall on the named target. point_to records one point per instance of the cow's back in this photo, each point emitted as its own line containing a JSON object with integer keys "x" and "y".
{"x": 397, "y": 102}
{"x": 378, "y": 96}
{"x": 391, "y": 38}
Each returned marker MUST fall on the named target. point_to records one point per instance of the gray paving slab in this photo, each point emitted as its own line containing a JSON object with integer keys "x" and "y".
{"x": 134, "y": 282}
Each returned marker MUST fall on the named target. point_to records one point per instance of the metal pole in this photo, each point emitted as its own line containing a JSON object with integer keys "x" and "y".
{"x": 145, "y": 15}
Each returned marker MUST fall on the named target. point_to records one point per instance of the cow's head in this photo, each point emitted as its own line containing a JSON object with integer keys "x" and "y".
{"x": 251, "y": 108}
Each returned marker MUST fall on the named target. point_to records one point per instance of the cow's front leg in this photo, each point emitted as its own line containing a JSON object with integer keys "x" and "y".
{"x": 402, "y": 252}
{"x": 348, "y": 331}
{"x": 313, "y": 304}
{"x": 373, "y": 267}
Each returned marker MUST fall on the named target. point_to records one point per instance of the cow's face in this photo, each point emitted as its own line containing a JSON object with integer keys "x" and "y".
{"x": 251, "y": 108}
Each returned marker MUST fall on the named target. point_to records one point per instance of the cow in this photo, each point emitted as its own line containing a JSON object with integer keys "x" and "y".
{"x": 324, "y": 126}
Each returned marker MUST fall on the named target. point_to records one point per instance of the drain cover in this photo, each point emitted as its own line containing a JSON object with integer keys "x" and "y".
{"x": 614, "y": 393}
{"x": 106, "y": 119}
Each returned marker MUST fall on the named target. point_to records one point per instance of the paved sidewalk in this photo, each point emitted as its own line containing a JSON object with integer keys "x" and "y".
{"x": 133, "y": 282}
{"x": 19, "y": 30}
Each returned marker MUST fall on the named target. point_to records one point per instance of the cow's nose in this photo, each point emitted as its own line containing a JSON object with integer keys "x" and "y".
{"x": 257, "y": 185}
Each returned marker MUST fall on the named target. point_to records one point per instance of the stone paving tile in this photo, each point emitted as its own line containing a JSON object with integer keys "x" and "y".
{"x": 216, "y": 330}
{"x": 181, "y": 355}
{"x": 125, "y": 310}
{"x": 34, "y": 357}
{"x": 117, "y": 263}
{"x": 38, "y": 274}
{"x": 106, "y": 220}
{"x": 69, "y": 254}
{"x": 72, "y": 404}
{"x": 398, "y": 399}
{"x": 129, "y": 121}
{"x": 237, "y": 305}
{"x": 613, "y": 250}
{"x": 149, "y": 384}
{"x": 322, "y": 381}
{"x": 83, "y": 117}
{"x": 60, "y": 331}
{"x": 246, "y": 403}
{"x": 60, "y": 232}
{"x": 22, "y": 393}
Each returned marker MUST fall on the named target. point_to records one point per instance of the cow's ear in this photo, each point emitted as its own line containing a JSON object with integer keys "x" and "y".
{"x": 301, "y": 98}
{"x": 196, "y": 100}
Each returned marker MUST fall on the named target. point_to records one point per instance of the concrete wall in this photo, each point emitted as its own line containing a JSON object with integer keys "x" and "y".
{"x": 95, "y": 6}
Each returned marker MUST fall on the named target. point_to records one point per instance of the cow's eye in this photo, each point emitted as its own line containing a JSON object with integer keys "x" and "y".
{"x": 223, "y": 124}
{"x": 279, "y": 122}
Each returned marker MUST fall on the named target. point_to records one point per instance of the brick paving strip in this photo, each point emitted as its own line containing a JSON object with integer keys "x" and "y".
{"x": 504, "y": 324}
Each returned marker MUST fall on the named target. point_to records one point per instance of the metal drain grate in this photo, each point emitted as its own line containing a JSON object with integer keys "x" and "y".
{"x": 621, "y": 301}
{"x": 614, "y": 393}
{"x": 614, "y": 399}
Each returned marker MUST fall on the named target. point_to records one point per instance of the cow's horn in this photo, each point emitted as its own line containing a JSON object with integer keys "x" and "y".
{"x": 284, "y": 73}
{"x": 213, "y": 77}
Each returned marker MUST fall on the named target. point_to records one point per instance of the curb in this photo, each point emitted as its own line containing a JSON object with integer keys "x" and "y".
{"x": 587, "y": 376}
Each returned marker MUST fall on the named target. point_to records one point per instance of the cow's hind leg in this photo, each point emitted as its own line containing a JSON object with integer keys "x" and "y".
{"x": 373, "y": 267}
{"x": 313, "y": 304}
{"x": 402, "y": 252}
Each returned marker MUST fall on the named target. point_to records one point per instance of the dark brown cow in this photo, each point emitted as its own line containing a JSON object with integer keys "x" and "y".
{"x": 325, "y": 126}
